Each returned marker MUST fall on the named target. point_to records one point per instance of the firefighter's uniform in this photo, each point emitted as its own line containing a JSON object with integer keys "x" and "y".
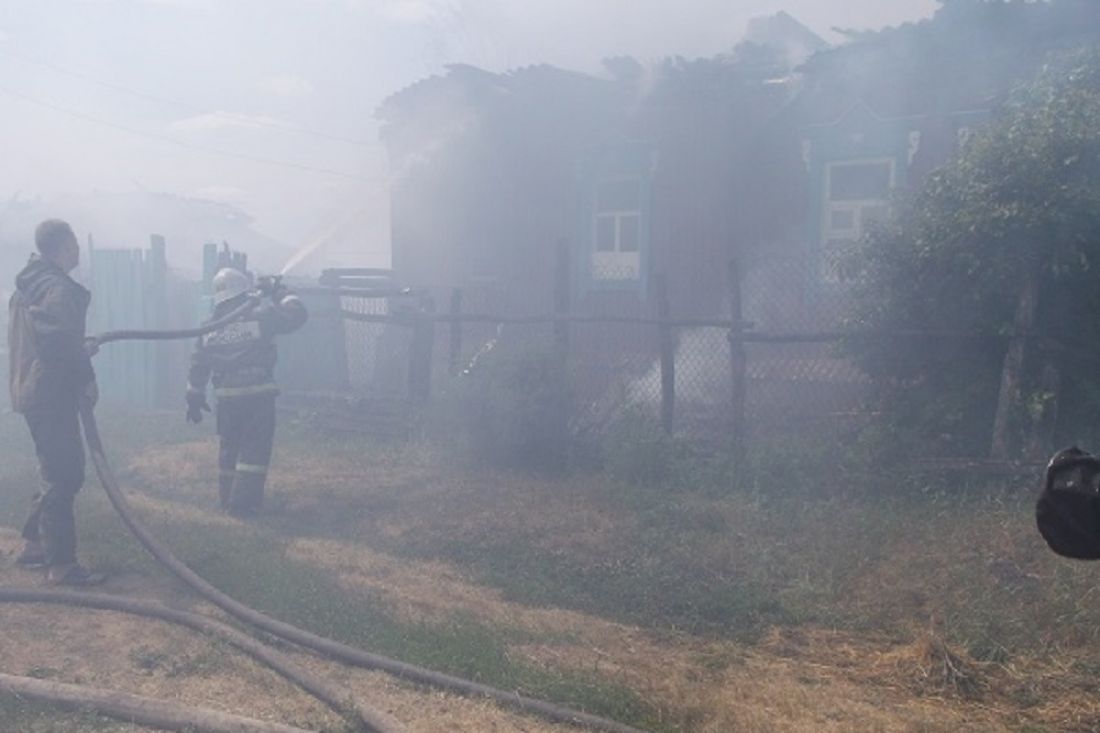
{"x": 239, "y": 359}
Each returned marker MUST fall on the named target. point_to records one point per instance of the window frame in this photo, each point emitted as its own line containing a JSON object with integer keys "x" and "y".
{"x": 628, "y": 261}
{"x": 856, "y": 208}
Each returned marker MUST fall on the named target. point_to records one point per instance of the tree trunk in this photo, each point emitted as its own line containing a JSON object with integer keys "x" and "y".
{"x": 1007, "y": 420}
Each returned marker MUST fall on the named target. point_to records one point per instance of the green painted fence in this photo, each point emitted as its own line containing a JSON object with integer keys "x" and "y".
{"x": 132, "y": 288}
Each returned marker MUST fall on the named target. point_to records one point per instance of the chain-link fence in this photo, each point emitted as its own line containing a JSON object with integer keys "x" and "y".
{"x": 375, "y": 349}
{"x": 770, "y": 357}
{"x": 716, "y": 384}
{"x": 777, "y": 369}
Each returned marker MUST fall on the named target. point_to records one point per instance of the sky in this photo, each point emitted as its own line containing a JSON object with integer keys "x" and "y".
{"x": 268, "y": 104}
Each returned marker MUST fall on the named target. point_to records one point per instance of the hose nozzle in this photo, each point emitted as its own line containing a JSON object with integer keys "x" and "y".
{"x": 269, "y": 284}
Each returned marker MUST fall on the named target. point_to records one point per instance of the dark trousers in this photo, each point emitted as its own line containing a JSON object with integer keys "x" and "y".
{"x": 246, "y": 426}
{"x": 55, "y": 429}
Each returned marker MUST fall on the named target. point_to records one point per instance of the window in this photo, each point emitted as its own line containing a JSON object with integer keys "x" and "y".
{"x": 856, "y": 196}
{"x": 617, "y": 231}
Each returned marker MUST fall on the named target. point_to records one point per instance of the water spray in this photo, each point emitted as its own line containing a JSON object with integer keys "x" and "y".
{"x": 319, "y": 241}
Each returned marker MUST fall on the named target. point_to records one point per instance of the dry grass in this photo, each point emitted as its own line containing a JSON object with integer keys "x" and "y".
{"x": 141, "y": 656}
{"x": 146, "y": 657}
{"x": 797, "y": 683}
{"x": 793, "y": 680}
{"x": 929, "y": 666}
{"x": 893, "y": 671}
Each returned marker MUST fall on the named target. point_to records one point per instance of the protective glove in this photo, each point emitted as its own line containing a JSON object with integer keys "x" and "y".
{"x": 271, "y": 286}
{"x": 91, "y": 346}
{"x": 196, "y": 405}
{"x": 279, "y": 292}
{"x": 90, "y": 396}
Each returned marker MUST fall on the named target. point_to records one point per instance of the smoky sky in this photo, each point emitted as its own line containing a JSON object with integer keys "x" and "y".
{"x": 268, "y": 104}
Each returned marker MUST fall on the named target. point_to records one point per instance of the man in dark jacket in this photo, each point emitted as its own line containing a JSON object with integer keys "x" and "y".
{"x": 240, "y": 358}
{"x": 50, "y": 376}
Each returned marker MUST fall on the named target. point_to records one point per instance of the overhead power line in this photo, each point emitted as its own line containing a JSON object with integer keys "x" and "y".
{"x": 178, "y": 143}
{"x": 181, "y": 105}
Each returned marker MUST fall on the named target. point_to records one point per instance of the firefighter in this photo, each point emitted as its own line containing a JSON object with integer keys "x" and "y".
{"x": 240, "y": 360}
{"x": 51, "y": 378}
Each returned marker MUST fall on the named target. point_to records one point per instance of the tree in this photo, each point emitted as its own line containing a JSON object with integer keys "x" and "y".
{"x": 1022, "y": 200}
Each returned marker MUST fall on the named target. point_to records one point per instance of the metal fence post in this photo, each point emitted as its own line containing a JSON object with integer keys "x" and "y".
{"x": 456, "y": 331}
{"x": 738, "y": 361}
{"x": 561, "y": 303}
{"x": 667, "y": 345}
{"x": 420, "y": 352}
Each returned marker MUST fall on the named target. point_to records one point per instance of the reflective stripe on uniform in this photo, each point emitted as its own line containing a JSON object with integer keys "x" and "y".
{"x": 246, "y": 391}
{"x": 290, "y": 298}
{"x": 250, "y": 468}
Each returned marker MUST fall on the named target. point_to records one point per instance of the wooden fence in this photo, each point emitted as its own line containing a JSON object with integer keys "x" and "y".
{"x": 132, "y": 288}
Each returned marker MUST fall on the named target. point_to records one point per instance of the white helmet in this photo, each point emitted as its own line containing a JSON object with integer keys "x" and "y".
{"x": 228, "y": 284}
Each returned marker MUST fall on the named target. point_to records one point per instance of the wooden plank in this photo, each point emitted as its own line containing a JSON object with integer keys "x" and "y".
{"x": 107, "y": 368}
{"x": 139, "y": 268}
{"x": 127, "y": 294}
{"x": 144, "y": 304}
{"x": 129, "y": 317}
{"x": 209, "y": 266}
{"x": 123, "y": 308}
{"x": 110, "y": 295}
{"x": 157, "y": 292}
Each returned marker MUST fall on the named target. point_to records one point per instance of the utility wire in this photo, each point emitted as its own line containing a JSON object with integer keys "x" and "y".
{"x": 274, "y": 124}
{"x": 179, "y": 143}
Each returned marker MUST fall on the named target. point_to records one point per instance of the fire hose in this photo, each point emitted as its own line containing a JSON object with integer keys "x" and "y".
{"x": 325, "y": 647}
{"x": 136, "y": 709}
{"x": 335, "y": 697}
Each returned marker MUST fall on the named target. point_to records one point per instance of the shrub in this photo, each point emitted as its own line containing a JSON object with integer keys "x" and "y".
{"x": 638, "y": 451}
{"x": 516, "y": 404}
